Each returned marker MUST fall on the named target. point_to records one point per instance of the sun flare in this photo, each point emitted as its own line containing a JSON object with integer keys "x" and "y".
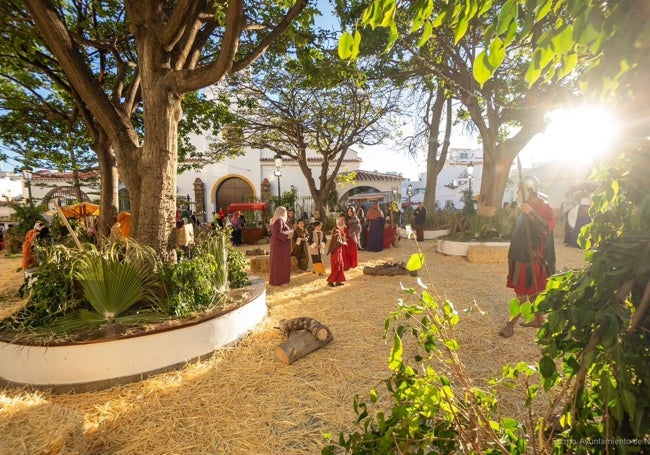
{"x": 579, "y": 135}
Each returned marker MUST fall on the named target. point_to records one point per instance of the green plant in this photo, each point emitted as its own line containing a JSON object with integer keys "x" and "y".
{"x": 122, "y": 285}
{"x": 191, "y": 289}
{"x": 237, "y": 265}
{"x": 598, "y": 317}
{"x": 435, "y": 408}
{"x": 50, "y": 292}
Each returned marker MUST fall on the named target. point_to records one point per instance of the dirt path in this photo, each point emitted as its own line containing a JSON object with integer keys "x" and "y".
{"x": 243, "y": 401}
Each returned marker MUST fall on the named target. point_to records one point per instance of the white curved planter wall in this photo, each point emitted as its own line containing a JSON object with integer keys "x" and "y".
{"x": 105, "y": 362}
{"x": 453, "y": 248}
{"x": 428, "y": 235}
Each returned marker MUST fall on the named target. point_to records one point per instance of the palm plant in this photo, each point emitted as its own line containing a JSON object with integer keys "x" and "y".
{"x": 114, "y": 280}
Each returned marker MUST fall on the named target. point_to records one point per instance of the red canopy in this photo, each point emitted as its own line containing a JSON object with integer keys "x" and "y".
{"x": 244, "y": 206}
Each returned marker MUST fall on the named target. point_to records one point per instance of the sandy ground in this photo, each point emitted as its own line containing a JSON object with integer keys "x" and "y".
{"x": 243, "y": 400}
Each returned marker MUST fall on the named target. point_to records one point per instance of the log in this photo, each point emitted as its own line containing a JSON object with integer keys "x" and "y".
{"x": 311, "y": 325}
{"x": 299, "y": 345}
{"x": 389, "y": 269}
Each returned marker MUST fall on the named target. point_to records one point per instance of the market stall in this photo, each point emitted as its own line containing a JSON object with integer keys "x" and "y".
{"x": 255, "y": 215}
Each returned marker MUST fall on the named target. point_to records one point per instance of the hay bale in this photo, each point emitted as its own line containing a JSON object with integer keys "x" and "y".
{"x": 45, "y": 429}
{"x": 486, "y": 254}
{"x": 260, "y": 264}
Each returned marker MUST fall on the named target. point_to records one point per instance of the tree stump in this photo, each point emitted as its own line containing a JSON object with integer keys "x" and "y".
{"x": 389, "y": 269}
{"x": 305, "y": 336}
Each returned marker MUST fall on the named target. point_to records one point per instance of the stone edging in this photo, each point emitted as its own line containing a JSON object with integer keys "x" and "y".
{"x": 104, "y": 363}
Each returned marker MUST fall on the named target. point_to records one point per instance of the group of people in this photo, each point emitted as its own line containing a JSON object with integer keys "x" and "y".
{"x": 291, "y": 237}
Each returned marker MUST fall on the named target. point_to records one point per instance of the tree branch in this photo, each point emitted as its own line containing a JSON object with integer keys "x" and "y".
{"x": 271, "y": 37}
{"x": 190, "y": 80}
{"x": 177, "y": 23}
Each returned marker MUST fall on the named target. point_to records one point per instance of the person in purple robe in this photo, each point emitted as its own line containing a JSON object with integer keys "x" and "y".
{"x": 280, "y": 249}
{"x": 376, "y": 221}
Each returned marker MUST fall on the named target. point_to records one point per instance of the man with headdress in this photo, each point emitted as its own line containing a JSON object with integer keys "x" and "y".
{"x": 531, "y": 256}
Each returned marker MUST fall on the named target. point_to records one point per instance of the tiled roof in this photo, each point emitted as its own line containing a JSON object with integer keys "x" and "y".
{"x": 50, "y": 175}
{"x": 314, "y": 159}
{"x": 376, "y": 176}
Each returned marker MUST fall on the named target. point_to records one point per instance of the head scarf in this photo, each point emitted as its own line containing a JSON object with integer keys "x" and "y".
{"x": 279, "y": 214}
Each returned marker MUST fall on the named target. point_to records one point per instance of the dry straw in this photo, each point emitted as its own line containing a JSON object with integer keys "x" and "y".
{"x": 242, "y": 400}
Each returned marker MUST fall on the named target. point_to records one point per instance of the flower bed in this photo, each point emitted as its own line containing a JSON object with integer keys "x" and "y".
{"x": 105, "y": 362}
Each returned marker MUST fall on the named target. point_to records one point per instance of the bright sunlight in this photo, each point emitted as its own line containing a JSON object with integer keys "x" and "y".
{"x": 578, "y": 135}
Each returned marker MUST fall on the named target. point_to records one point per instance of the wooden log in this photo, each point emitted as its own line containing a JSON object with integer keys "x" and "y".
{"x": 311, "y": 325}
{"x": 299, "y": 345}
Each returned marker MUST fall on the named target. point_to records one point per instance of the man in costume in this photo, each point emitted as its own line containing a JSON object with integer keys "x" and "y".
{"x": 419, "y": 220}
{"x": 531, "y": 256}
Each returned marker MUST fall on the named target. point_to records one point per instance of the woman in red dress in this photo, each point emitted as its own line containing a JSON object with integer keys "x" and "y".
{"x": 336, "y": 251}
{"x": 353, "y": 231}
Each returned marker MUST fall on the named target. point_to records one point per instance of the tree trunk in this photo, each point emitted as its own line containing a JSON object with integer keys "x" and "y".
{"x": 109, "y": 199}
{"x": 436, "y": 153}
{"x": 496, "y": 171}
{"x": 155, "y": 208}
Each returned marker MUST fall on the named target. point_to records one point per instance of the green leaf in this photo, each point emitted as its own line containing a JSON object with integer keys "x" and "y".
{"x": 460, "y": 28}
{"x": 507, "y": 16}
{"x": 562, "y": 42}
{"x": 629, "y": 401}
{"x": 482, "y": 69}
{"x": 415, "y": 262}
{"x": 426, "y": 33}
{"x": 346, "y": 46}
{"x": 514, "y": 308}
{"x": 569, "y": 62}
{"x": 542, "y": 9}
{"x": 547, "y": 367}
{"x": 395, "y": 361}
{"x": 439, "y": 19}
{"x": 496, "y": 53}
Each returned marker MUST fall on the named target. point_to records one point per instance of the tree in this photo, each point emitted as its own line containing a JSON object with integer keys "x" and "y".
{"x": 506, "y": 110}
{"x": 114, "y": 54}
{"x": 293, "y": 114}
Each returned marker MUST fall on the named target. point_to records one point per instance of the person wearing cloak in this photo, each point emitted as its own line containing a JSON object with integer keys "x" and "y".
{"x": 531, "y": 256}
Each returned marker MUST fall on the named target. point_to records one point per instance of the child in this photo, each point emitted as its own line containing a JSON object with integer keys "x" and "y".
{"x": 299, "y": 245}
{"x": 336, "y": 252}
{"x": 317, "y": 247}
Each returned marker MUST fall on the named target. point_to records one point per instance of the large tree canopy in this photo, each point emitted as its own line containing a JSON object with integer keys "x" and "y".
{"x": 313, "y": 104}
{"x": 120, "y": 56}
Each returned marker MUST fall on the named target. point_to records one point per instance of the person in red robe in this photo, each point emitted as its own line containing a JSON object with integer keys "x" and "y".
{"x": 336, "y": 251}
{"x": 531, "y": 256}
{"x": 280, "y": 249}
{"x": 353, "y": 231}
{"x": 29, "y": 257}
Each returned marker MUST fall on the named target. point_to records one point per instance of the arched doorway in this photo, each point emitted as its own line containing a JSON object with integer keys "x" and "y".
{"x": 63, "y": 195}
{"x": 233, "y": 190}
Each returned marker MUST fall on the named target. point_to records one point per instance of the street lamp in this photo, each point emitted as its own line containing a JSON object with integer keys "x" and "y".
{"x": 27, "y": 175}
{"x": 278, "y": 172}
{"x": 409, "y": 192}
{"x": 470, "y": 173}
